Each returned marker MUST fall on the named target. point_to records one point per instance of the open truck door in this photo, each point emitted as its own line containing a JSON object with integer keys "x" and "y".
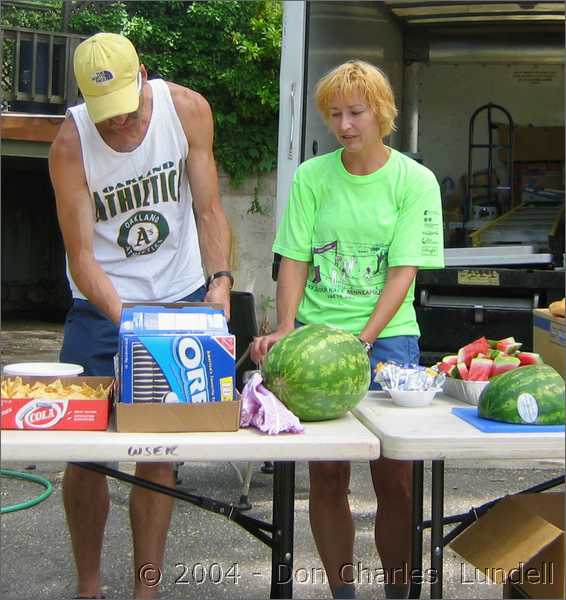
{"x": 445, "y": 60}
{"x": 317, "y": 36}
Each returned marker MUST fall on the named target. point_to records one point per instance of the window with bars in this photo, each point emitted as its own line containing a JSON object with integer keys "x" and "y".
{"x": 37, "y": 70}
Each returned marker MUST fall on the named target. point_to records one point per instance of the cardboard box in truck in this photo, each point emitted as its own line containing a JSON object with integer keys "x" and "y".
{"x": 549, "y": 338}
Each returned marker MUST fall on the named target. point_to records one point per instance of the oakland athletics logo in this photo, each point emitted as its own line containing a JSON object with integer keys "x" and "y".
{"x": 143, "y": 233}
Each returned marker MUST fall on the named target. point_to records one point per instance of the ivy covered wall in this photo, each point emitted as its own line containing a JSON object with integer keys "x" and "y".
{"x": 227, "y": 51}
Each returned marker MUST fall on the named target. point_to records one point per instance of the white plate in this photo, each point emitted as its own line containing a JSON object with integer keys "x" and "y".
{"x": 36, "y": 369}
{"x": 412, "y": 399}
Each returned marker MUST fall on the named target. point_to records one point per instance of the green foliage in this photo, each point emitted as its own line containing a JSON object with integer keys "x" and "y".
{"x": 267, "y": 306}
{"x": 227, "y": 51}
{"x": 256, "y": 207}
{"x": 93, "y": 17}
{"x": 47, "y": 16}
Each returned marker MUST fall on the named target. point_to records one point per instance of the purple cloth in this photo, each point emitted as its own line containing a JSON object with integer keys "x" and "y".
{"x": 263, "y": 410}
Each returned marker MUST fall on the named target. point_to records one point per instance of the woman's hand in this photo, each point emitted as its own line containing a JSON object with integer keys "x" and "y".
{"x": 261, "y": 345}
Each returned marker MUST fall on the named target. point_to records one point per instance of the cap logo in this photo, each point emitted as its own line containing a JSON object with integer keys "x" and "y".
{"x": 102, "y": 77}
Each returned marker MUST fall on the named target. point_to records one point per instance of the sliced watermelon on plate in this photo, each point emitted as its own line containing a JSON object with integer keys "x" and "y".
{"x": 504, "y": 363}
{"x": 451, "y": 359}
{"x": 445, "y": 366}
{"x": 461, "y": 371}
{"x": 480, "y": 369}
{"x": 471, "y": 350}
{"x": 508, "y": 345}
{"x": 530, "y": 358}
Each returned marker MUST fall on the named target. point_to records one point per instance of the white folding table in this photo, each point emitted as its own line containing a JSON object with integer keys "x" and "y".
{"x": 341, "y": 439}
{"x": 434, "y": 433}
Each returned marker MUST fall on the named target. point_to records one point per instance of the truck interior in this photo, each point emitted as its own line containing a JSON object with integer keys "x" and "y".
{"x": 480, "y": 91}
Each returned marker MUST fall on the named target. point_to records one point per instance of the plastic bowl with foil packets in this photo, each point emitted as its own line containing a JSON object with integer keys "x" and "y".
{"x": 408, "y": 384}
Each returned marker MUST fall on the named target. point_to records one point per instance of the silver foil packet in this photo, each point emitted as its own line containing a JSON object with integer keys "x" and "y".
{"x": 407, "y": 377}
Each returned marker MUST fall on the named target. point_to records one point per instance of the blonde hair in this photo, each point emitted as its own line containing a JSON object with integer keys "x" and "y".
{"x": 369, "y": 81}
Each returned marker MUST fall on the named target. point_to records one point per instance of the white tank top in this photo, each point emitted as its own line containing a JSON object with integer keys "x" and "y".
{"x": 145, "y": 236}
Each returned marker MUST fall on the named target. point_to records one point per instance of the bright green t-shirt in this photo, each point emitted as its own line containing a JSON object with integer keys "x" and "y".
{"x": 352, "y": 228}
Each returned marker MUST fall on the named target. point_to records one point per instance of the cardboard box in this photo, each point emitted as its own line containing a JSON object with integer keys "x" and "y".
{"x": 537, "y": 175}
{"x": 542, "y": 180}
{"x": 176, "y": 353}
{"x": 57, "y": 414}
{"x": 549, "y": 338}
{"x": 154, "y": 417}
{"x": 533, "y": 143}
{"x": 519, "y": 540}
{"x": 176, "y": 369}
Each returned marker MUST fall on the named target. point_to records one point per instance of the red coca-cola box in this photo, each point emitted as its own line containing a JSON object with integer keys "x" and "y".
{"x": 51, "y": 413}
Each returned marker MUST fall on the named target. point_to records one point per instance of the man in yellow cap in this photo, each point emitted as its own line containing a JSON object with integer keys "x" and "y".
{"x": 128, "y": 167}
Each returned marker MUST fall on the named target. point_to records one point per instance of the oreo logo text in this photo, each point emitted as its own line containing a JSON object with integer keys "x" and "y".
{"x": 190, "y": 356}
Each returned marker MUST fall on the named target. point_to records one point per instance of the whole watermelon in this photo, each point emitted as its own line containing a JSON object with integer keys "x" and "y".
{"x": 532, "y": 394}
{"x": 318, "y": 372}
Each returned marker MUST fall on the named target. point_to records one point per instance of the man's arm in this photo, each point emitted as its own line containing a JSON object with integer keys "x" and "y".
{"x": 76, "y": 220}
{"x": 213, "y": 227}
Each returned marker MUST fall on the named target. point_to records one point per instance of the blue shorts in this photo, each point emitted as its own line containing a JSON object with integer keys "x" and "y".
{"x": 90, "y": 339}
{"x": 399, "y": 348}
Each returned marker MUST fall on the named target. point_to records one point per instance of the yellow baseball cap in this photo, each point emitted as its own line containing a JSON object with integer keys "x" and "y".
{"x": 107, "y": 69}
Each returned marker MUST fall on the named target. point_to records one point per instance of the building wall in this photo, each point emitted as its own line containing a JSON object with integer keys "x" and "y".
{"x": 253, "y": 235}
{"x": 33, "y": 262}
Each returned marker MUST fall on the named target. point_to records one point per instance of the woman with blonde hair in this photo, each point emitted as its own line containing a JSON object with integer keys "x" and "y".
{"x": 359, "y": 223}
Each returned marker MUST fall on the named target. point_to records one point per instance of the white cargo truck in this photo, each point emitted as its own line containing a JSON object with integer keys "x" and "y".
{"x": 445, "y": 61}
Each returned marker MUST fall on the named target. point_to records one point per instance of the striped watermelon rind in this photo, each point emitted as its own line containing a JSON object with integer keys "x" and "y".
{"x": 318, "y": 372}
{"x": 533, "y": 394}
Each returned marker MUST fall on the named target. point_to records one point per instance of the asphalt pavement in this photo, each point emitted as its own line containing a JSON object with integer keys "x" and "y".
{"x": 209, "y": 557}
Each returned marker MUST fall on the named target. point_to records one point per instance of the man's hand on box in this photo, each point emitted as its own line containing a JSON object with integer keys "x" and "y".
{"x": 219, "y": 293}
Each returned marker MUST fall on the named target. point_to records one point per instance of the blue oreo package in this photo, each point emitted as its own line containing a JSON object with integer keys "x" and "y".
{"x": 175, "y": 353}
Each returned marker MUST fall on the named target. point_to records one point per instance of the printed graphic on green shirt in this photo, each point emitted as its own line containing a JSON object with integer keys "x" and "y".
{"x": 352, "y": 229}
{"x": 345, "y": 269}
{"x": 431, "y": 242}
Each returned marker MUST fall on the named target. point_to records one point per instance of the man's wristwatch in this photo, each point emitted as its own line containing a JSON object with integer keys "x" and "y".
{"x": 367, "y": 346}
{"x": 219, "y": 274}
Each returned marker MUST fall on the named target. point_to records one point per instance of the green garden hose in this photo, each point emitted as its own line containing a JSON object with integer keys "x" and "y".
{"x": 27, "y": 477}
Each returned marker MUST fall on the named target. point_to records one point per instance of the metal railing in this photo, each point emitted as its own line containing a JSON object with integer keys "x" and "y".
{"x": 37, "y": 70}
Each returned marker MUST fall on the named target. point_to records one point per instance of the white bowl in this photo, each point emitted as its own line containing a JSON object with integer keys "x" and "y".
{"x": 412, "y": 399}
{"x": 467, "y": 391}
{"x": 35, "y": 369}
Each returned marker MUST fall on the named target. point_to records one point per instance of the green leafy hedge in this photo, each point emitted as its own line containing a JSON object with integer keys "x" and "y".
{"x": 227, "y": 51}
{"x": 43, "y": 16}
